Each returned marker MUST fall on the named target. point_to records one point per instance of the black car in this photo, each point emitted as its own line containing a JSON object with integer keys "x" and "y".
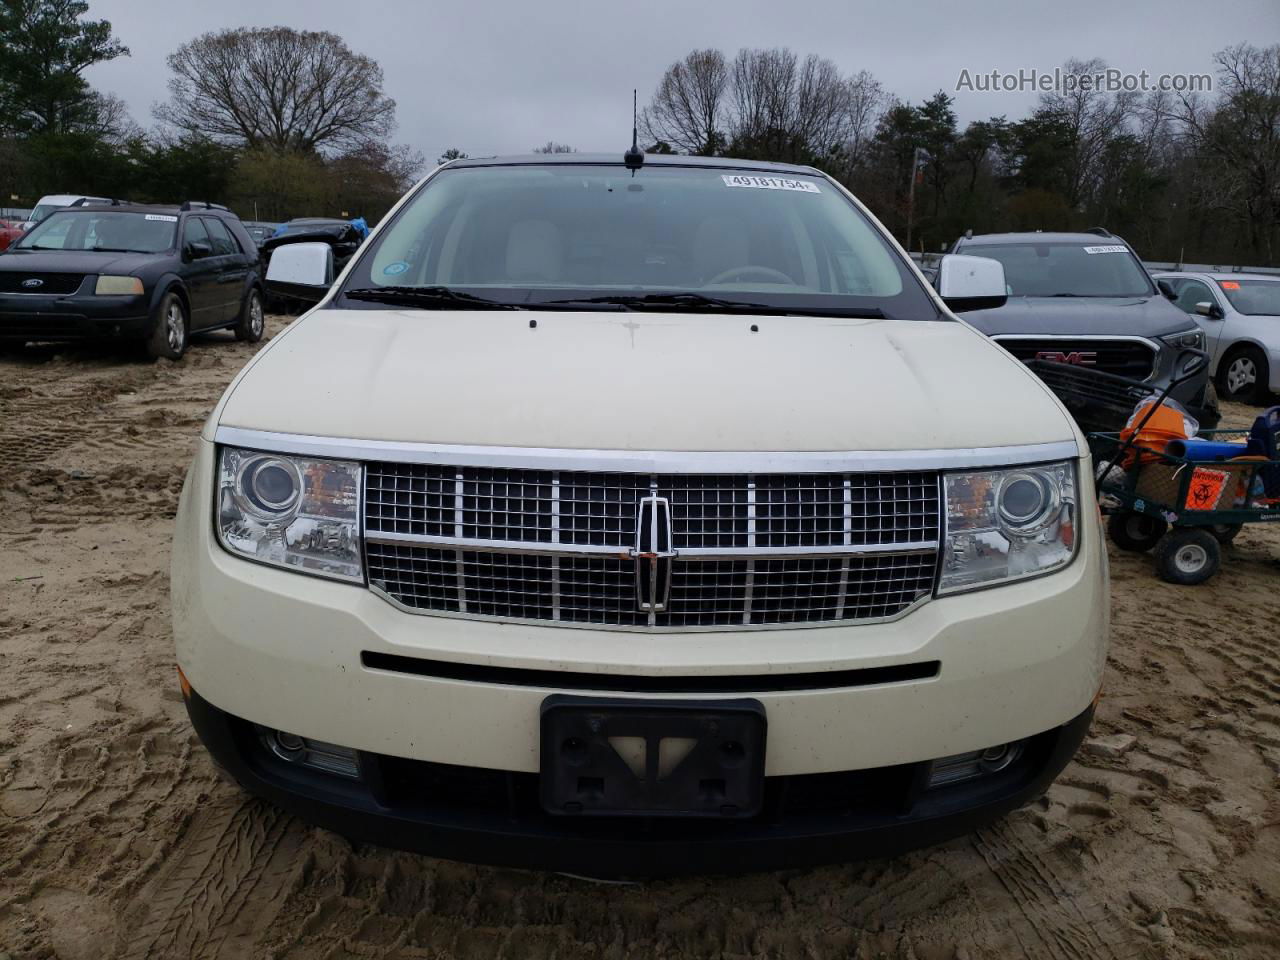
{"x": 154, "y": 274}
{"x": 260, "y": 231}
{"x": 1086, "y": 299}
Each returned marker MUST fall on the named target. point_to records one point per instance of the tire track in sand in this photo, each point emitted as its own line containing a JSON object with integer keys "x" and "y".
{"x": 203, "y": 894}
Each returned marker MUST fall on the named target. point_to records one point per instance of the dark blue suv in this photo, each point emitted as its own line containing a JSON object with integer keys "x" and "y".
{"x": 152, "y": 274}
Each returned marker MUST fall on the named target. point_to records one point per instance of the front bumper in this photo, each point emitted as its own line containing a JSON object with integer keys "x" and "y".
{"x": 308, "y": 656}
{"x": 492, "y": 816}
{"x": 29, "y": 317}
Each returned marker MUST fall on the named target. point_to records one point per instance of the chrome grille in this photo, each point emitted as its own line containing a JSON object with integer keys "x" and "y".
{"x": 750, "y": 550}
{"x": 599, "y": 509}
{"x": 602, "y": 591}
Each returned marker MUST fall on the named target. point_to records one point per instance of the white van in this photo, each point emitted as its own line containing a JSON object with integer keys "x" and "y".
{"x": 56, "y": 201}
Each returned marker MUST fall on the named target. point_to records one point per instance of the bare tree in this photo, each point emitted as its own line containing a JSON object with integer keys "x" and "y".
{"x": 552, "y": 147}
{"x": 784, "y": 108}
{"x": 1236, "y": 141}
{"x": 277, "y": 88}
{"x": 687, "y": 109}
{"x": 865, "y": 100}
{"x": 1094, "y": 118}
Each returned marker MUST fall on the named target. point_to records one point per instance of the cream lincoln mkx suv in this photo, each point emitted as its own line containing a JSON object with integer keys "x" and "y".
{"x": 638, "y": 516}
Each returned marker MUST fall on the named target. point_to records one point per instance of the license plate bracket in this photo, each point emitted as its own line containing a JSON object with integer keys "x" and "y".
{"x": 615, "y": 757}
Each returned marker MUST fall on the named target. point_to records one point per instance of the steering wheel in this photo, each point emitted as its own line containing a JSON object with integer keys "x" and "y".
{"x": 763, "y": 274}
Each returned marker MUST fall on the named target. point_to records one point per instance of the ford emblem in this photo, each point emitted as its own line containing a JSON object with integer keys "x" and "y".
{"x": 33, "y": 283}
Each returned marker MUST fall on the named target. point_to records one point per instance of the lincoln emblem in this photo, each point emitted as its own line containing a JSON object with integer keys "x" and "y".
{"x": 653, "y": 554}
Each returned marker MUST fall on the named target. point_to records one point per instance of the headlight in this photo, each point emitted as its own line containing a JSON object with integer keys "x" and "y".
{"x": 118, "y": 286}
{"x": 291, "y": 511}
{"x": 1007, "y": 524}
{"x": 1188, "y": 338}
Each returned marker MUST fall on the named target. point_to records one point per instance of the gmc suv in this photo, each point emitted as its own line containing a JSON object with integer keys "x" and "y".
{"x": 1085, "y": 298}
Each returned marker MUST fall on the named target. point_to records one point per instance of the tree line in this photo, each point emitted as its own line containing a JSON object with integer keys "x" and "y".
{"x": 1184, "y": 177}
{"x": 280, "y": 123}
{"x": 274, "y": 121}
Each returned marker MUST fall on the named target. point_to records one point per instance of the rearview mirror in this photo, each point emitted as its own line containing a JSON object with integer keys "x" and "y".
{"x": 198, "y": 250}
{"x": 1210, "y": 310}
{"x": 1167, "y": 289}
{"x": 303, "y": 271}
{"x": 971, "y": 283}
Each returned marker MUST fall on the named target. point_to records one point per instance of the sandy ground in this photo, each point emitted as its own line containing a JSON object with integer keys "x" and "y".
{"x": 117, "y": 840}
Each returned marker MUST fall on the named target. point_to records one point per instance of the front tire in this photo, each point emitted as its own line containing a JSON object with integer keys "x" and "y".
{"x": 1188, "y": 556}
{"x": 1135, "y": 532}
{"x": 252, "y": 322}
{"x": 170, "y": 331}
{"x": 1244, "y": 376}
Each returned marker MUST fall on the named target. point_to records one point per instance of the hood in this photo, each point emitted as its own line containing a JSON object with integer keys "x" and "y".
{"x": 1082, "y": 317}
{"x": 642, "y": 381}
{"x": 76, "y": 261}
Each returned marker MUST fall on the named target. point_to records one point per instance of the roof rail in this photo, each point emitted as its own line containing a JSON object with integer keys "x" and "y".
{"x": 201, "y": 205}
{"x": 1100, "y": 231}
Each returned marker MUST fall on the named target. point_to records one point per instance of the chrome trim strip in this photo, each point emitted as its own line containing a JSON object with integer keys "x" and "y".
{"x": 749, "y": 589}
{"x": 648, "y": 461}
{"x": 459, "y": 512}
{"x": 836, "y": 550}
{"x": 627, "y": 553}
{"x": 498, "y": 546}
{"x": 555, "y": 538}
{"x": 648, "y": 627}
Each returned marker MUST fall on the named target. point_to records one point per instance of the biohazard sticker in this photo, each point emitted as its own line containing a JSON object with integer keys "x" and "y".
{"x": 768, "y": 183}
{"x": 1206, "y": 488}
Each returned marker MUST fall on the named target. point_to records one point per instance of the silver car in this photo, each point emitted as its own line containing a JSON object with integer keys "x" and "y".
{"x": 1240, "y": 316}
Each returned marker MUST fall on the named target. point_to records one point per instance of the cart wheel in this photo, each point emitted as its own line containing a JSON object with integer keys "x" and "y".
{"x": 1187, "y": 556}
{"x": 1135, "y": 531}
{"x": 1224, "y": 533}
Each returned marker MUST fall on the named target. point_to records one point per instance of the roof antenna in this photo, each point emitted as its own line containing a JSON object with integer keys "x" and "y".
{"x": 633, "y": 158}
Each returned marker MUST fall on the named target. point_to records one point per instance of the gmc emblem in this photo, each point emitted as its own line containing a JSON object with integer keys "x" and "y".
{"x": 1080, "y": 358}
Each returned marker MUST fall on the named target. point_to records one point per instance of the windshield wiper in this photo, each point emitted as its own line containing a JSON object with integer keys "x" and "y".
{"x": 437, "y": 297}
{"x": 689, "y": 300}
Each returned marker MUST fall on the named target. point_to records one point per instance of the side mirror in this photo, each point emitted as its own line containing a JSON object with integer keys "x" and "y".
{"x": 198, "y": 250}
{"x": 303, "y": 271}
{"x": 971, "y": 283}
{"x": 1167, "y": 289}
{"x": 1210, "y": 310}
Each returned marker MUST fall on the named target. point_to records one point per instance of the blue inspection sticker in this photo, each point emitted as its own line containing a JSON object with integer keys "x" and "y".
{"x": 395, "y": 268}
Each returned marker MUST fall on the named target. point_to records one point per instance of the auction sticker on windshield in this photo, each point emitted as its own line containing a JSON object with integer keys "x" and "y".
{"x": 1110, "y": 248}
{"x": 769, "y": 183}
{"x": 163, "y": 218}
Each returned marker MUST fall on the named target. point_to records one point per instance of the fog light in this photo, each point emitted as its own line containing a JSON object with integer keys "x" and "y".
{"x": 316, "y": 754}
{"x": 288, "y": 742}
{"x": 977, "y": 763}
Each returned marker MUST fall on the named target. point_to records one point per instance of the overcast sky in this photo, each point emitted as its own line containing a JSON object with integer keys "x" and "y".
{"x": 506, "y": 75}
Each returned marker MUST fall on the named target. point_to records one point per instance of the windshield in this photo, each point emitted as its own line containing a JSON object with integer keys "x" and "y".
{"x": 1256, "y": 298}
{"x": 42, "y": 211}
{"x": 79, "y": 229}
{"x": 1067, "y": 269}
{"x": 699, "y": 238}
